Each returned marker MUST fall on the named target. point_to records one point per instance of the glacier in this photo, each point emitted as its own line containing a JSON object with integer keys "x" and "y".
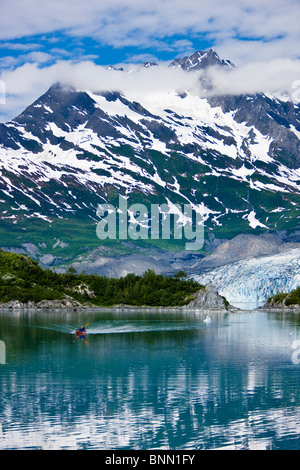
{"x": 248, "y": 284}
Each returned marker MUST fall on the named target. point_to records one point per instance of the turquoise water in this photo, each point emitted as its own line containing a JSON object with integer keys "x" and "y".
{"x": 149, "y": 380}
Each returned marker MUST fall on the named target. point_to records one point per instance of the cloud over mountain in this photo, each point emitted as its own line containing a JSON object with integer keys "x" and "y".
{"x": 25, "y": 83}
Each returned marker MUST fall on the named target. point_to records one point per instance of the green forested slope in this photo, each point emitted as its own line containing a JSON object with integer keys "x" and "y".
{"x": 291, "y": 298}
{"x": 22, "y": 279}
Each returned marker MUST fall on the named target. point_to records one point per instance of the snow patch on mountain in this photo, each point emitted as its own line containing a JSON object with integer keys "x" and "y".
{"x": 297, "y": 133}
{"x": 190, "y": 117}
{"x": 168, "y": 143}
{"x": 253, "y": 220}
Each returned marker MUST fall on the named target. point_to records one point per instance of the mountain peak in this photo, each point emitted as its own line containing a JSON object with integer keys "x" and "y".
{"x": 201, "y": 60}
{"x": 150, "y": 64}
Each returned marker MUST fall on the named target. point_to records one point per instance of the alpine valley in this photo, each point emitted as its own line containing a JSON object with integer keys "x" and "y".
{"x": 235, "y": 157}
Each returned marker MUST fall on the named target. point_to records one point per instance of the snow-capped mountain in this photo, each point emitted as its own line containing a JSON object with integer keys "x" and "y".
{"x": 201, "y": 60}
{"x": 235, "y": 157}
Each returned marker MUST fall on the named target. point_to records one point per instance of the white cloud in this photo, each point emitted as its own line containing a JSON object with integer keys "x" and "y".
{"x": 26, "y": 83}
{"x": 276, "y": 75}
{"x": 17, "y": 46}
{"x": 141, "y": 58}
{"x": 142, "y": 23}
{"x": 35, "y": 57}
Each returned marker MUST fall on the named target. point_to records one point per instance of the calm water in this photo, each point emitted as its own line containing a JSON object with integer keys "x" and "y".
{"x": 149, "y": 381}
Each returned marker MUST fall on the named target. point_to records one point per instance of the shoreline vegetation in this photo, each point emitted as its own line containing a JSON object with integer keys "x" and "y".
{"x": 25, "y": 285}
{"x": 284, "y": 301}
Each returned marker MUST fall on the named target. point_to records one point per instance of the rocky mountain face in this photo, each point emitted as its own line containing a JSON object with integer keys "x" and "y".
{"x": 201, "y": 60}
{"x": 234, "y": 157}
{"x": 209, "y": 299}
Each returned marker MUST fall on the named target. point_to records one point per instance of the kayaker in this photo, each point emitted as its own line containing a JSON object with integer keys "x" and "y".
{"x": 82, "y": 329}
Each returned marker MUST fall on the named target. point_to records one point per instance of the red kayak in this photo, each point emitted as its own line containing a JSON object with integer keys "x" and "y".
{"x": 80, "y": 334}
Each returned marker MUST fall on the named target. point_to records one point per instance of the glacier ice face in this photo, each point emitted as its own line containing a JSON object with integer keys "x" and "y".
{"x": 249, "y": 283}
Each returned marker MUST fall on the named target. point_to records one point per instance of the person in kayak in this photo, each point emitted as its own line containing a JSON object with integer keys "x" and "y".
{"x": 80, "y": 333}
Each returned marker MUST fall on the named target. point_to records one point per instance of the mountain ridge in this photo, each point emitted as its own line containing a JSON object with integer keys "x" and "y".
{"x": 234, "y": 157}
{"x": 200, "y": 60}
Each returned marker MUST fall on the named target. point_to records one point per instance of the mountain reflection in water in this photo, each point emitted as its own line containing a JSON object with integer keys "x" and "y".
{"x": 149, "y": 380}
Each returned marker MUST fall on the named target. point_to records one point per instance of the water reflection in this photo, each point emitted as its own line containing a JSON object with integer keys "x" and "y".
{"x": 164, "y": 381}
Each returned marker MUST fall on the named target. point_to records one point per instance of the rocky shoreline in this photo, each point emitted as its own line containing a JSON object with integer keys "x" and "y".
{"x": 68, "y": 303}
{"x": 280, "y": 307}
{"x": 205, "y": 299}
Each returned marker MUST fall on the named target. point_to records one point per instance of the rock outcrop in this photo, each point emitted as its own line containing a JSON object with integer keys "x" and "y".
{"x": 66, "y": 303}
{"x": 209, "y": 299}
{"x": 280, "y": 306}
{"x": 246, "y": 246}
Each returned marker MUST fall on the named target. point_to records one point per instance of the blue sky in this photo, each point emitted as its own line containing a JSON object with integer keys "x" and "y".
{"x": 37, "y": 35}
{"x": 49, "y": 48}
{"x": 112, "y": 31}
